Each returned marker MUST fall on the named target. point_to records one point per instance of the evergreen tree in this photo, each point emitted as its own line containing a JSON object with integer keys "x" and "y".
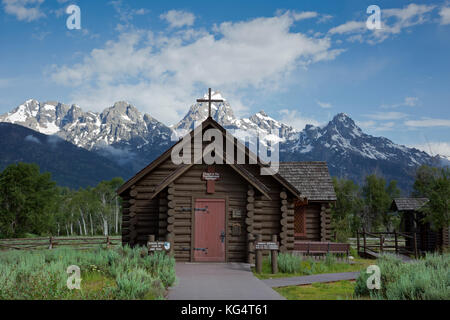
{"x": 345, "y": 218}
{"x": 26, "y": 199}
{"x": 434, "y": 184}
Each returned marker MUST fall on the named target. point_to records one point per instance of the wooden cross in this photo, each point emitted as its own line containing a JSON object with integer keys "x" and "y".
{"x": 209, "y": 100}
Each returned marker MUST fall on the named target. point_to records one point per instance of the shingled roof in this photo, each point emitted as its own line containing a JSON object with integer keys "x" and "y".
{"x": 312, "y": 179}
{"x": 408, "y": 204}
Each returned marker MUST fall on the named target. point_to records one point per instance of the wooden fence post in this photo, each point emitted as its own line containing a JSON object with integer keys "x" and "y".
{"x": 357, "y": 242}
{"x": 396, "y": 241}
{"x": 274, "y": 256}
{"x": 415, "y": 244}
{"x": 108, "y": 242}
{"x": 381, "y": 243}
{"x": 151, "y": 238}
{"x": 364, "y": 241}
{"x": 50, "y": 247}
{"x": 258, "y": 255}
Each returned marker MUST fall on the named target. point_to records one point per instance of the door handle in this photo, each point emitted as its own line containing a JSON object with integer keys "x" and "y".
{"x": 222, "y": 236}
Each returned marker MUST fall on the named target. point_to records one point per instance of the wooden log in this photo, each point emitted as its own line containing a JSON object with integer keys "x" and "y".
{"x": 283, "y": 195}
{"x": 171, "y": 219}
{"x": 274, "y": 257}
{"x": 251, "y": 192}
{"x": 171, "y": 204}
{"x": 250, "y": 207}
{"x": 259, "y": 256}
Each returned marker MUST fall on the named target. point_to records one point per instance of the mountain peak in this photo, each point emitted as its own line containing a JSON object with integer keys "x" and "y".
{"x": 215, "y": 95}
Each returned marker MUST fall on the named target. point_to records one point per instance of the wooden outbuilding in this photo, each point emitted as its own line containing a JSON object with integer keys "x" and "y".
{"x": 214, "y": 212}
{"x": 412, "y": 221}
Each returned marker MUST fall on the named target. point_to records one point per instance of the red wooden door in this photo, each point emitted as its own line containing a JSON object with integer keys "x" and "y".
{"x": 209, "y": 241}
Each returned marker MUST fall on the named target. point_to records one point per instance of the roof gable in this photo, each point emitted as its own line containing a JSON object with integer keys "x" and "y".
{"x": 238, "y": 168}
{"x": 408, "y": 204}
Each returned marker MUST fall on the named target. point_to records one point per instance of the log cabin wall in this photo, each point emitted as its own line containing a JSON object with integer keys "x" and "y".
{"x": 318, "y": 222}
{"x": 230, "y": 187}
{"x": 160, "y": 201}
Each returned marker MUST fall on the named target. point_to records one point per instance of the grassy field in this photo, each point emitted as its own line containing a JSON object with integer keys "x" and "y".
{"x": 112, "y": 274}
{"x": 425, "y": 279}
{"x": 293, "y": 266}
{"x": 341, "y": 290}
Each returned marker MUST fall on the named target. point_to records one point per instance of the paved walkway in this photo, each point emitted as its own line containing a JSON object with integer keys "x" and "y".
{"x": 325, "y": 277}
{"x": 219, "y": 281}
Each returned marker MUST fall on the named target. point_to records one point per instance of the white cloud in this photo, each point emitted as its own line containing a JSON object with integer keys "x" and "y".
{"x": 386, "y": 115}
{"x": 295, "y": 119}
{"x": 24, "y": 10}
{"x": 445, "y": 15}
{"x": 428, "y": 122}
{"x": 434, "y": 148}
{"x": 160, "y": 73}
{"x": 31, "y": 138}
{"x": 304, "y": 15}
{"x": 125, "y": 13}
{"x": 393, "y": 22}
{"x": 178, "y": 18}
{"x": 376, "y": 126}
{"x": 407, "y": 102}
{"x": 325, "y": 105}
{"x": 348, "y": 27}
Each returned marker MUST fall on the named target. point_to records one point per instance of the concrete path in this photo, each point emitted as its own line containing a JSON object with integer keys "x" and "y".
{"x": 325, "y": 277}
{"x": 219, "y": 281}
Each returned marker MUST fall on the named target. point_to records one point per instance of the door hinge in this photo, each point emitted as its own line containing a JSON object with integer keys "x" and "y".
{"x": 205, "y": 250}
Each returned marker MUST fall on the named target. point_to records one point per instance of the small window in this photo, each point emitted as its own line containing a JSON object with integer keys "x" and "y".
{"x": 300, "y": 221}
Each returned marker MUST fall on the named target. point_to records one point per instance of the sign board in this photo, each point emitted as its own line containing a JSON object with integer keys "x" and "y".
{"x": 158, "y": 246}
{"x": 266, "y": 246}
{"x": 211, "y": 176}
{"x": 236, "y": 213}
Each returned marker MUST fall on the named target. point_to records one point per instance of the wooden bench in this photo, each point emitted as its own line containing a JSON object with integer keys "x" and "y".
{"x": 316, "y": 247}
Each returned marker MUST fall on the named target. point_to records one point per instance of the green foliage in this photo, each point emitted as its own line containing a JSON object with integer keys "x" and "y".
{"x": 123, "y": 272}
{"x": 31, "y": 204}
{"x": 378, "y": 197}
{"x": 426, "y": 279}
{"x": 345, "y": 218}
{"x": 26, "y": 199}
{"x": 434, "y": 184}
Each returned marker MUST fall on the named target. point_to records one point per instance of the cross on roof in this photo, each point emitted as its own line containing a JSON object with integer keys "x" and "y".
{"x": 209, "y": 100}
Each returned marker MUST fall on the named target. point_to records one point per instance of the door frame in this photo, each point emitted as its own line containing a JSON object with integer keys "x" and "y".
{"x": 196, "y": 196}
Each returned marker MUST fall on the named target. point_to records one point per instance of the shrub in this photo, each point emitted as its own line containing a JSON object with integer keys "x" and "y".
{"x": 122, "y": 273}
{"x": 425, "y": 279}
{"x": 288, "y": 263}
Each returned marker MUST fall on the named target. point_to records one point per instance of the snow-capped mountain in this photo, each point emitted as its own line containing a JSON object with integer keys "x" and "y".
{"x": 120, "y": 131}
{"x": 123, "y": 132}
{"x": 258, "y": 124}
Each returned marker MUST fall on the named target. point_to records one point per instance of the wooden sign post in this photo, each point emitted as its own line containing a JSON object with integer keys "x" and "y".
{"x": 161, "y": 246}
{"x": 273, "y": 246}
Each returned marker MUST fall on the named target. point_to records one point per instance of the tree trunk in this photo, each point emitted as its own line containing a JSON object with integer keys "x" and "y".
{"x": 84, "y": 222}
{"x": 92, "y": 226}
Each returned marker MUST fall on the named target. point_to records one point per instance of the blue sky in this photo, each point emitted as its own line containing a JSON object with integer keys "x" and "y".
{"x": 300, "y": 61}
